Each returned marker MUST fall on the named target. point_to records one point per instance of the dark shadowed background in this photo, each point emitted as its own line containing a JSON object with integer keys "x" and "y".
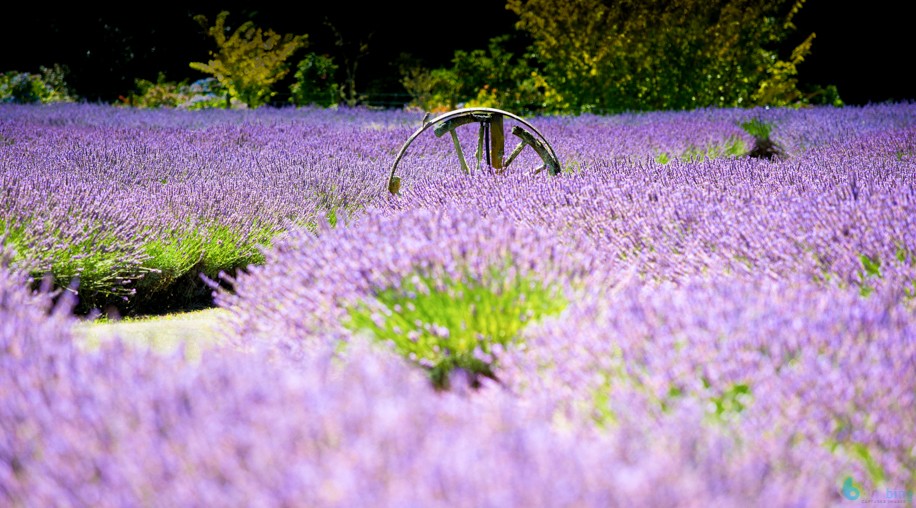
{"x": 864, "y": 48}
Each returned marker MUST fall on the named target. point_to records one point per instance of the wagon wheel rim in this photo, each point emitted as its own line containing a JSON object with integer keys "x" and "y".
{"x": 490, "y": 145}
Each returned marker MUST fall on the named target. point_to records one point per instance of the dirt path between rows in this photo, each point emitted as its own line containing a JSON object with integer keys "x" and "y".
{"x": 162, "y": 333}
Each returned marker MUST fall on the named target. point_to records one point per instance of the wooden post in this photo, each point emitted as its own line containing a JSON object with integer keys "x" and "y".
{"x": 497, "y": 142}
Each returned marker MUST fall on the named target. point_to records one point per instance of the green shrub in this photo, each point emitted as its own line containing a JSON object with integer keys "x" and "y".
{"x": 637, "y": 55}
{"x": 99, "y": 262}
{"x": 764, "y": 146}
{"x": 498, "y": 78}
{"x": 175, "y": 261}
{"x": 201, "y": 94}
{"x": 314, "y": 82}
{"x": 431, "y": 89}
{"x": 495, "y": 77}
{"x": 757, "y": 128}
{"x": 24, "y": 88}
{"x": 448, "y": 323}
{"x": 731, "y": 147}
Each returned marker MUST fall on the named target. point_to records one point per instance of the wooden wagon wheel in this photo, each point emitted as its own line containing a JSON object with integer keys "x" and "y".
{"x": 490, "y": 141}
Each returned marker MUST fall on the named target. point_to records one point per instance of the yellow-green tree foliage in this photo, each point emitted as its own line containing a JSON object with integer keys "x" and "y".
{"x": 630, "y": 55}
{"x": 248, "y": 62}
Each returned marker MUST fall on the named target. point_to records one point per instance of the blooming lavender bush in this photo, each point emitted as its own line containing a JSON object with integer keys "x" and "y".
{"x": 171, "y": 194}
{"x": 661, "y": 331}
{"x": 444, "y": 286}
{"x": 122, "y": 426}
{"x": 841, "y": 214}
{"x": 167, "y": 195}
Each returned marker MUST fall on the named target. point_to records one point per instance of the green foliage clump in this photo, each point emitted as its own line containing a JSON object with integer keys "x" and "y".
{"x": 431, "y": 89}
{"x": 155, "y": 271}
{"x": 498, "y": 78}
{"x": 447, "y": 323}
{"x": 731, "y": 147}
{"x": 757, "y": 128}
{"x": 43, "y": 88}
{"x": 227, "y": 250}
{"x": 495, "y": 77}
{"x": 176, "y": 260}
{"x": 871, "y": 268}
{"x": 611, "y": 57}
{"x": 168, "y": 261}
{"x": 637, "y": 55}
{"x": 730, "y": 403}
{"x": 12, "y": 237}
{"x": 100, "y": 264}
{"x": 764, "y": 146}
{"x": 201, "y": 94}
{"x": 314, "y": 82}
{"x": 250, "y": 61}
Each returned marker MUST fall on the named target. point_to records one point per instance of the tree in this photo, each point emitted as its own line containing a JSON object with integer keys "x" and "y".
{"x": 250, "y": 61}
{"x": 495, "y": 77}
{"x": 499, "y": 78}
{"x": 315, "y": 82}
{"x": 617, "y": 55}
{"x": 353, "y": 51}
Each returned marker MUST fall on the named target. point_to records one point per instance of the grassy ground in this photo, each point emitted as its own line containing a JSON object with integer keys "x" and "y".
{"x": 195, "y": 329}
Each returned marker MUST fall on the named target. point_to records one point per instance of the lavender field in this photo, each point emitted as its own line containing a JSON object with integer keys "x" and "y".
{"x": 668, "y": 322}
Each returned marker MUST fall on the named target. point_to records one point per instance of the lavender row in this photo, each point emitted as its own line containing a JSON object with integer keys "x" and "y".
{"x": 121, "y": 426}
{"x": 774, "y": 296}
{"x": 146, "y": 193}
{"x": 841, "y": 213}
{"x": 760, "y": 353}
{"x": 724, "y": 331}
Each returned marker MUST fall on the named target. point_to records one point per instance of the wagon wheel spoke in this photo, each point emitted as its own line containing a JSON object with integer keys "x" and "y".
{"x": 491, "y": 141}
{"x": 517, "y": 150}
{"x": 545, "y": 152}
{"x": 464, "y": 164}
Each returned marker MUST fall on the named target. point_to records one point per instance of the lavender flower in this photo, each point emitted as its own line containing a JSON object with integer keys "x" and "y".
{"x": 701, "y": 328}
